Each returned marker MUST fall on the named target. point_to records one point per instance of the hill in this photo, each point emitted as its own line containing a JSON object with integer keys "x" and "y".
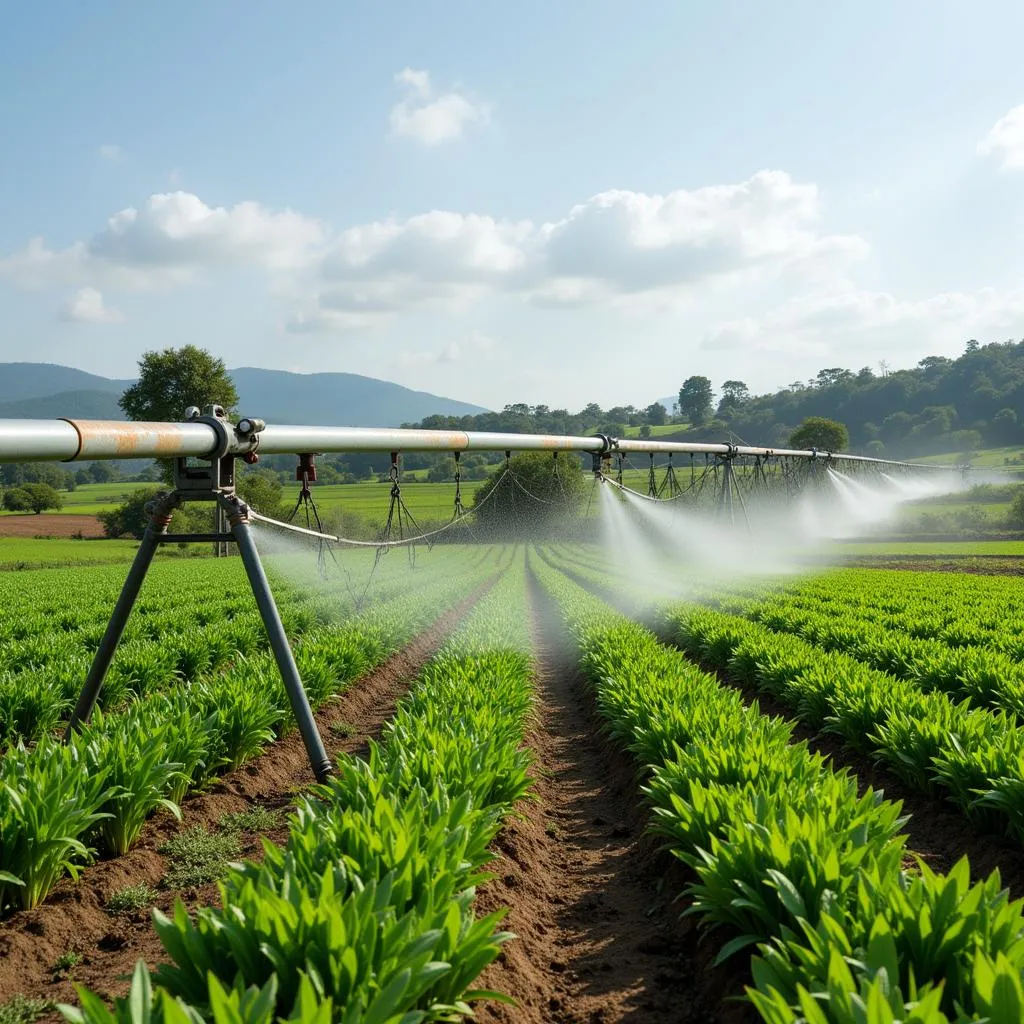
{"x": 44, "y": 390}
{"x": 941, "y": 405}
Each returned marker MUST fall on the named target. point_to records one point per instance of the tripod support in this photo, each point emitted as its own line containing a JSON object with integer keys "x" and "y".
{"x": 211, "y": 483}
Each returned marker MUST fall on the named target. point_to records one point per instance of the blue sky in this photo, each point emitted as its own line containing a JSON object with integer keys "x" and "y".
{"x": 535, "y": 202}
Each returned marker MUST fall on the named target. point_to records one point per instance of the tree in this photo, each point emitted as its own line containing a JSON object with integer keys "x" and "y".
{"x": 734, "y": 394}
{"x": 32, "y": 498}
{"x": 695, "y": 400}
{"x": 545, "y": 491}
{"x": 655, "y": 415}
{"x": 1015, "y": 516}
{"x": 172, "y": 380}
{"x": 103, "y": 472}
{"x": 261, "y": 490}
{"x": 821, "y": 433}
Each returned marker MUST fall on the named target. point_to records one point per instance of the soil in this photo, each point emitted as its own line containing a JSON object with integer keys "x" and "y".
{"x": 979, "y": 565}
{"x": 50, "y": 525}
{"x": 591, "y": 899}
{"x": 938, "y": 832}
{"x": 73, "y": 916}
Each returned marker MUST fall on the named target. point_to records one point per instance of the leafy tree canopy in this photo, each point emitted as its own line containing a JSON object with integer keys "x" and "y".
{"x": 540, "y": 491}
{"x": 821, "y": 433}
{"x": 172, "y": 380}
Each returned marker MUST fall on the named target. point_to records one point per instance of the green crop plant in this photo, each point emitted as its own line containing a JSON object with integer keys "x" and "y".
{"x": 131, "y": 752}
{"x": 49, "y": 802}
{"x": 789, "y": 857}
{"x": 372, "y": 894}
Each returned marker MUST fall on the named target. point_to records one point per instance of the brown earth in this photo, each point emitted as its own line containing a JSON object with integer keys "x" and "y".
{"x": 938, "y": 832}
{"x": 73, "y": 918}
{"x": 980, "y": 565}
{"x": 50, "y": 525}
{"x": 591, "y": 899}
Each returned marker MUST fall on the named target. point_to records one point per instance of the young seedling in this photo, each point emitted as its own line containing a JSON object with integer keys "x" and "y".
{"x": 66, "y": 961}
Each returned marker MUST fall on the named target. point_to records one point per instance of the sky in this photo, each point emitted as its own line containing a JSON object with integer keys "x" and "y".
{"x": 531, "y": 202}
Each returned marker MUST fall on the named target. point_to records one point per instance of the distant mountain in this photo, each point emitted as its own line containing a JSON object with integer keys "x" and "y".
{"x": 89, "y": 405}
{"x": 45, "y": 391}
{"x": 19, "y": 381}
{"x": 341, "y": 399}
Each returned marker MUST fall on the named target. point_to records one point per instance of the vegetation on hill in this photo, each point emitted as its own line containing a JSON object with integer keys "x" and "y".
{"x": 941, "y": 405}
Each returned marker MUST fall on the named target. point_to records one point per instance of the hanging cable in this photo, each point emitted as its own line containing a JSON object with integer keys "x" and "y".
{"x": 459, "y": 509}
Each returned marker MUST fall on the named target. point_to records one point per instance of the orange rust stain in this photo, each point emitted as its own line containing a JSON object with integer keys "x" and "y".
{"x": 125, "y": 439}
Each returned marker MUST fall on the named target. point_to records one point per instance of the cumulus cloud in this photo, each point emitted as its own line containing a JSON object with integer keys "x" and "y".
{"x": 165, "y": 241}
{"x": 86, "y": 306}
{"x": 617, "y": 244}
{"x": 429, "y": 118}
{"x": 655, "y": 252}
{"x": 1005, "y": 141}
{"x": 110, "y": 152}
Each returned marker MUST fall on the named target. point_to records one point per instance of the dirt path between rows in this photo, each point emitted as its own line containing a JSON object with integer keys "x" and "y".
{"x": 591, "y": 901}
{"x": 73, "y": 918}
{"x": 938, "y": 832}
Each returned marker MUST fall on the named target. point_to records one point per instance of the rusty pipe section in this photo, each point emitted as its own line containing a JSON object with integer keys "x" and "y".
{"x": 69, "y": 440}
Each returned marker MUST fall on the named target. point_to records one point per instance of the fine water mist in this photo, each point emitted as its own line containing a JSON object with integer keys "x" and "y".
{"x": 662, "y": 545}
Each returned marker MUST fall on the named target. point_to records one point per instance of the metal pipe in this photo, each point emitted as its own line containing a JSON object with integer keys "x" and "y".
{"x": 318, "y": 759}
{"x": 151, "y": 540}
{"x": 70, "y": 440}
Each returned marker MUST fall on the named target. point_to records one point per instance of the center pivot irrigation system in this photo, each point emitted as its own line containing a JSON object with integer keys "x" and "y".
{"x": 205, "y": 447}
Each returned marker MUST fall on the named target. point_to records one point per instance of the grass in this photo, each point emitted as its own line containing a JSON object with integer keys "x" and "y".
{"x": 19, "y": 1010}
{"x": 662, "y": 431}
{"x": 130, "y": 899}
{"x": 48, "y": 552}
{"x": 198, "y": 856}
{"x": 256, "y": 819}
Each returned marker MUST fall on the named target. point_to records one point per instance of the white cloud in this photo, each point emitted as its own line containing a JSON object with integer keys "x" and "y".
{"x": 86, "y": 306}
{"x": 433, "y": 119}
{"x": 618, "y": 245}
{"x": 110, "y": 152}
{"x": 1005, "y": 140}
{"x": 165, "y": 242}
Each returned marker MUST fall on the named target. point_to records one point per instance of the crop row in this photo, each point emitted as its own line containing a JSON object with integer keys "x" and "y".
{"x": 366, "y": 914}
{"x": 58, "y": 802}
{"x": 201, "y": 636}
{"x": 937, "y": 745}
{"x": 787, "y": 856}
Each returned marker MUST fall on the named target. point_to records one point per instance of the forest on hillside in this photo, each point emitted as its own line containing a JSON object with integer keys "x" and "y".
{"x": 941, "y": 405}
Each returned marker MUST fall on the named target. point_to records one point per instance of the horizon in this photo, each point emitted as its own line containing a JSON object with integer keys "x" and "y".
{"x": 498, "y": 222}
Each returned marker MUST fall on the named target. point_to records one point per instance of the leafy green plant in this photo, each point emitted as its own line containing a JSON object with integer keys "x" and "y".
{"x": 21, "y": 1010}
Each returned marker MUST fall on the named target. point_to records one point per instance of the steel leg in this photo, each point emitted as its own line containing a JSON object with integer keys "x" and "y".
{"x": 115, "y": 628}
{"x": 318, "y": 758}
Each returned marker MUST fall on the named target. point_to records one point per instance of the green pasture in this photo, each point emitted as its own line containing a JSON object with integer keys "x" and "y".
{"x": 44, "y": 552}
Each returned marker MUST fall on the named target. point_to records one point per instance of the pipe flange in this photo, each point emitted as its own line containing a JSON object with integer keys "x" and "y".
{"x": 224, "y": 434}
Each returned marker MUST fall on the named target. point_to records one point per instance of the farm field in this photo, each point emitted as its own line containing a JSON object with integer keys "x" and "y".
{"x": 765, "y": 718}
